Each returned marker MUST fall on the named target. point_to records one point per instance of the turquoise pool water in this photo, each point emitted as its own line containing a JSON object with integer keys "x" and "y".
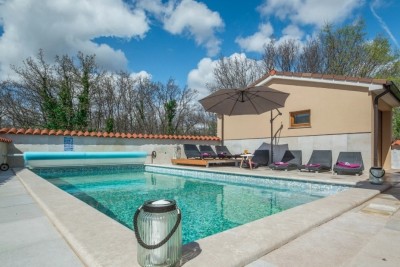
{"x": 208, "y": 206}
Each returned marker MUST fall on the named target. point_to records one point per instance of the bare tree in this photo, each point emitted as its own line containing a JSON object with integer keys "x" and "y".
{"x": 311, "y": 58}
{"x": 287, "y": 55}
{"x": 235, "y": 72}
{"x": 269, "y": 56}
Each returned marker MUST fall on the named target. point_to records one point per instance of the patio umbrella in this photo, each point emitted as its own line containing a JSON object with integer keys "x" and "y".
{"x": 246, "y": 101}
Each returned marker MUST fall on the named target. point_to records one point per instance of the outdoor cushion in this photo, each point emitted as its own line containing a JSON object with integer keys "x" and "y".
{"x": 348, "y": 165}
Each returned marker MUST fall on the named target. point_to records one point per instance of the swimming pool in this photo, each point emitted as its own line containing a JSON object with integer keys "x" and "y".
{"x": 211, "y": 202}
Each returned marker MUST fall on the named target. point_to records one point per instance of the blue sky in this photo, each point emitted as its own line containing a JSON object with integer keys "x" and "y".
{"x": 178, "y": 39}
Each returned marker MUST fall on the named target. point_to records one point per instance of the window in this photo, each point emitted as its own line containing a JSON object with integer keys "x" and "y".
{"x": 300, "y": 119}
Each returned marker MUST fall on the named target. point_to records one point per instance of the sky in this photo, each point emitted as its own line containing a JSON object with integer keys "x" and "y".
{"x": 178, "y": 39}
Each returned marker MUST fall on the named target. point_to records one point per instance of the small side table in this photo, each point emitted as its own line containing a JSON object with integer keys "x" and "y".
{"x": 246, "y": 157}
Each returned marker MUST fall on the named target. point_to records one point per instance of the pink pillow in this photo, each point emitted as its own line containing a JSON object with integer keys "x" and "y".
{"x": 280, "y": 163}
{"x": 348, "y": 165}
{"x": 313, "y": 165}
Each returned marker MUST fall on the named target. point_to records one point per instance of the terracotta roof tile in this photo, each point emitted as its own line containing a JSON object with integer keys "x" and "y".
{"x": 28, "y": 131}
{"x": 379, "y": 81}
{"x": 320, "y": 76}
{"x": 396, "y": 143}
{"x": 5, "y": 140}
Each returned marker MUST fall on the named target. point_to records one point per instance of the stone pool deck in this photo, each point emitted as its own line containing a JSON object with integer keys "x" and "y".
{"x": 41, "y": 225}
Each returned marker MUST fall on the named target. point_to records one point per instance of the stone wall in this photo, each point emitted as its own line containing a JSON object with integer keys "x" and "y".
{"x": 336, "y": 143}
{"x": 166, "y": 149}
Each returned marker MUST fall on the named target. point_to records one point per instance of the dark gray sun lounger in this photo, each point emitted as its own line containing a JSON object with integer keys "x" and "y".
{"x": 191, "y": 151}
{"x": 291, "y": 160}
{"x": 207, "y": 152}
{"x": 260, "y": 158}
{"x": 320, "y": 160}
{"x": 349, "y": 163}
{"x": 223, "y": 152}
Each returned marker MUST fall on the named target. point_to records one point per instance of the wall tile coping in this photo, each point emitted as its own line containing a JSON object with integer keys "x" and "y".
{"x": 31, "y": 131}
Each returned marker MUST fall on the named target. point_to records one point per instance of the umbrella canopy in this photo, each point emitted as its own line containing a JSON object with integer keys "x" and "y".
{"x": 247, "y": 101}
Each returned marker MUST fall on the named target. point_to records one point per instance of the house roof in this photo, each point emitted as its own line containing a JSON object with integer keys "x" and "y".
{"x": 318, "y": 76}
{"x": 376, "y": 85}
{"x": 31, "y": 131}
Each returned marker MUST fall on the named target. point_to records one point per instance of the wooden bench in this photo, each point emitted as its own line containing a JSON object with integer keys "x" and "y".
{"x": 205, "y": 162}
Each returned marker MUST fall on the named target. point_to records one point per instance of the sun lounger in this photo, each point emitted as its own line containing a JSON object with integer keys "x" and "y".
{"x": 291, "y": 160}
{"x": 191, "y": 151}
{"x": 349, "y": 163}
{"x": 207, "y": 152}
{"x": 223, "y": 152}
{"x": 260, "y": 158}
{"x": 320, "y": 160}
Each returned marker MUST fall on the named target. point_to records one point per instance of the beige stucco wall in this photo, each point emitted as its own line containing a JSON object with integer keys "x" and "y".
{"x": 166, "y": 148}
{"x": 334, "y": 110}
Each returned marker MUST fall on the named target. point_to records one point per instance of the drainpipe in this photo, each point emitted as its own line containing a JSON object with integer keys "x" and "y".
{"x": 376, "y": 122}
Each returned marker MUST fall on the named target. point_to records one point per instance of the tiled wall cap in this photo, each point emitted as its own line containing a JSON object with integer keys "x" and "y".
{"x": 5, "y": 140}
{"x": 28, "y": 131}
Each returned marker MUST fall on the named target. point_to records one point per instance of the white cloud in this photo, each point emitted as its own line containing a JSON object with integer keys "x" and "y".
{"x": 141, "y": 74}
{"x": 310, "y": 12}
{"x": 201, "y": 76}
{"x": 256, "y": 42}
{"x": 188, "y": 17}
{"x": 66, "y": 27}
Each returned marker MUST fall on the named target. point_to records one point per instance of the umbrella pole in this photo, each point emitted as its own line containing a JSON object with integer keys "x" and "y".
{"x": 222, "y": 130}
{"x": 272, "y": 138}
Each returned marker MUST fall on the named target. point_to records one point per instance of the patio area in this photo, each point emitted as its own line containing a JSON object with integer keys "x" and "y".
{"x": 359, "y": 228}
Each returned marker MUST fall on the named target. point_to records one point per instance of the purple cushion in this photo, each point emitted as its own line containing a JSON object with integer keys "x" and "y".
{"x": 280, "y": 163}
{"x": 348, "y": 165}
{"x": 205, "y": 154}
{"x": 313, "y": 165}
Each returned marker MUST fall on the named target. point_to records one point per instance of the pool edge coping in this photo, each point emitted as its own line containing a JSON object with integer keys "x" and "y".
{"x": 245, "y": 243}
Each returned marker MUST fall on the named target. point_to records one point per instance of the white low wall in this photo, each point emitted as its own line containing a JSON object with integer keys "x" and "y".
{"x": 166, "y": 149}
{"x": 337, "y": 143}
{"x": 396, "y": 157}
{"x": 3, "y": 152}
